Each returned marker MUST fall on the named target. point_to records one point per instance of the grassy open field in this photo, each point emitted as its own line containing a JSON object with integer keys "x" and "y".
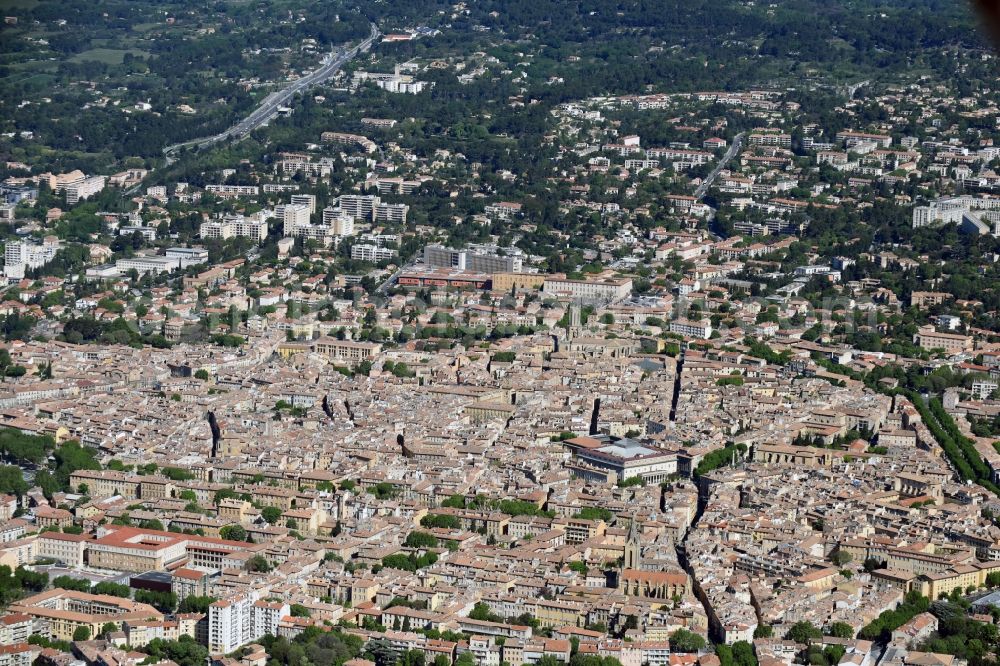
{"x": 108, "y": 56}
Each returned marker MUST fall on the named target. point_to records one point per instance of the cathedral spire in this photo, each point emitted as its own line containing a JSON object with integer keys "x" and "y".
{"x": 632, "y": 551}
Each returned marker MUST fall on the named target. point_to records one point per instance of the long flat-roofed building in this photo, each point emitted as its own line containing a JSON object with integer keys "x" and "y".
{"x": 625, "y": 458}
{"x": 64, "y": 611}
{"x": 423, "y": 276}
{"x": 606, "y": 290}
{"x": 137, "y": 550}
{"x": 346, "y": 349}
{"x": 477, "y": 259}
{"x": 952, "y": 343}
{"x": 234, "y": 225}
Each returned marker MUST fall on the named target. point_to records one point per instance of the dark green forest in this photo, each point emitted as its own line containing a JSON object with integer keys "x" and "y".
{"x": 70, "y": 53}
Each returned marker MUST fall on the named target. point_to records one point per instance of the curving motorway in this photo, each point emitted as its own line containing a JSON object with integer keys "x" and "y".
{"x": 268, "y": 109}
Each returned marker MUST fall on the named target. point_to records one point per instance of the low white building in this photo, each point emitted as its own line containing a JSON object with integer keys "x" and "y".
{"x": 234, "y": 226}
{"x": 368, "y": 252}
{"x": 692, "y": 329}
{"x": 607, "y": 290}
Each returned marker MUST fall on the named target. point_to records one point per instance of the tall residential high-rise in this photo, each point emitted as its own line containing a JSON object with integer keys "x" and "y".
{"x": 22, "y": 255}
{"x": 307, "y": 199}
{"x": 385, "y": 212}
{"x": 242, "y": 618}
{"x": 230, "y": 622}
{"x": 339, "y": 222}
{"x": 358, "y": 206}
{"x": 294, "y": 216}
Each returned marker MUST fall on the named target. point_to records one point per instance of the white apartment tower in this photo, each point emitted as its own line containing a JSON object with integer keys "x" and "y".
{"x": 339, "y": 222}
{"x": 267, "y": 615}
{"x": 241, "y": 619}
{"x": 385, "y": 212}
{"x": 307, "y": 199}
{"x": 22, "y": 255}
{"x": 294, "y": 216}
{"x": 230, "y": 623}
{"x": 358, "y": 206}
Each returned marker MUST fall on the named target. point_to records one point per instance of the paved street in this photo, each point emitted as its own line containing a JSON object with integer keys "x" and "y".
{"x": 730, "y": 154}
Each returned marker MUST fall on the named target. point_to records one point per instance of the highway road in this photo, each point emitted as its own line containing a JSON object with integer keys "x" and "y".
{"x": 852, "y": 89}
{"x": 730, "y": 154}
{"x": 268, "y": 109}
